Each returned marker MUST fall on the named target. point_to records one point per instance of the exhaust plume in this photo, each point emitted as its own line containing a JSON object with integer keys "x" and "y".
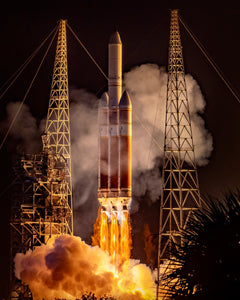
{"x": 69, "y": 268}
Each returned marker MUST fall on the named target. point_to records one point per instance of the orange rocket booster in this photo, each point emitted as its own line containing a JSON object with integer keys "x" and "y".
{"x": 115, "y": 136}
{"x": 103, "y": 119}
{"x": 125, "y": 145}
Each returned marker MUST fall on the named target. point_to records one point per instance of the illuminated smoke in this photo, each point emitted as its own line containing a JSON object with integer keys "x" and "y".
{"x": 69, "y": 268}
{"x": 147, "y": 86}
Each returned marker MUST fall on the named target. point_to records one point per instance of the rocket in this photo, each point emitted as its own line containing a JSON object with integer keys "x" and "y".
{"x": 115, "y": 137}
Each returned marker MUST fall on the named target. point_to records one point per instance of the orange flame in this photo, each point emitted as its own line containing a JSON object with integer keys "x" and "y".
{"x": 112, "y": 231}
{"x": 126, "y": 240}
{"x": 104, "y": 232}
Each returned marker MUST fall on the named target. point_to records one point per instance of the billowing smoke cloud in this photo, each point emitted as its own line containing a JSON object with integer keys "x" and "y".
{"x": 147, "y": 86}
{"x": 69, "y": 268}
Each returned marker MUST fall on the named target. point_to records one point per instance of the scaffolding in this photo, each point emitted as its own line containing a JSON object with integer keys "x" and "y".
{"x": 41, "y": 210}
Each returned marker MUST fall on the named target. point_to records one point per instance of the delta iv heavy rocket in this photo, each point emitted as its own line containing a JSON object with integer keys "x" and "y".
{"x": 115, "y": 137}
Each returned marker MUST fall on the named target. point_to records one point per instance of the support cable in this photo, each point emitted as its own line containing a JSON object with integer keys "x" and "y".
{"x": 19, "y": 71}
{"x": 25, "y": 96}
{"x": 210, "y": 60}
{"x": 88, "y": 53}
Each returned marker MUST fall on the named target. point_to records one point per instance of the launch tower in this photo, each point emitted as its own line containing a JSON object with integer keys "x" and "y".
{"x": 180, "y": 193}
{"x": 43, "y": 202}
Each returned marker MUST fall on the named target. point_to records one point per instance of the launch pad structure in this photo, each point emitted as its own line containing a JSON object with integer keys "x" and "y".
{"x": 42, "y": 207}
{"x": 42, "y": 201}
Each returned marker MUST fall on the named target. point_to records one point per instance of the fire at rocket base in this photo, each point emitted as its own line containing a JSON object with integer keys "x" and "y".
{"x": 115, "y": 160}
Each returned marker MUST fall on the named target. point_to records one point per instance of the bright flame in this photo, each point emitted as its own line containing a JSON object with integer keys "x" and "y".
{"x": 113, "y": 231}
{"x": 114, "y": 239}
{"x": 104, "y": 232}
{"x": 126, "y": 241}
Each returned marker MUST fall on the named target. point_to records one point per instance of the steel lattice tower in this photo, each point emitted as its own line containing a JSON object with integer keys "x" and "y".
{"x": 58, "y": 121}
{"x": 42, "y": 202}
{"x": 180, "y": 193}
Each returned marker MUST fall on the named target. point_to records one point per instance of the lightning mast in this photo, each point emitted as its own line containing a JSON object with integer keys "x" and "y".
{"x": 180, "y": 194}
{"x": 58, "y": 121}
{"x": 42, "y": 206}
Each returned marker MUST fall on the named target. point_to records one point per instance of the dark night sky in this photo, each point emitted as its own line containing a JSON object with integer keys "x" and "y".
{"x": 144, "y": 30}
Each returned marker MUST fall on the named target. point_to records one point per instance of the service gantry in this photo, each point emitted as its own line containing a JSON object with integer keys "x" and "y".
{"x": 180, "y": 193}
{"x": 42, "y": 206}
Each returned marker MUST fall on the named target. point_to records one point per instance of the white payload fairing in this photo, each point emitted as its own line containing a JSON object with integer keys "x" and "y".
{"x": 115, "y": 137}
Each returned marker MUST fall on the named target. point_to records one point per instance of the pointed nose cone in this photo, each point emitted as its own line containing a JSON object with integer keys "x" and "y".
{"x": 103, "y": 102}
{"x": 115, "y": 38}
{"x": 125, "y": 101}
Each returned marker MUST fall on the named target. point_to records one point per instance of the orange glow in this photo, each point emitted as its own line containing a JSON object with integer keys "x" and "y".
{"x": 112, "y": 230}
{"x": 104, "y": 232}
{"x": 114, "y": 239}
{"x": 68, "y": 268}
{"x": 126, "y": 240}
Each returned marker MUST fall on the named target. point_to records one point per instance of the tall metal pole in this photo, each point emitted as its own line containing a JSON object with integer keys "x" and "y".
{"x": 180, "y": 194}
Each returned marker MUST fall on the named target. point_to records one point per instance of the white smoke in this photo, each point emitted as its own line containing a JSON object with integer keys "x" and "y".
{"x": 202, "y": 138}
{"x": 84, "y": 135}
{"x": 147, "y": 86}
